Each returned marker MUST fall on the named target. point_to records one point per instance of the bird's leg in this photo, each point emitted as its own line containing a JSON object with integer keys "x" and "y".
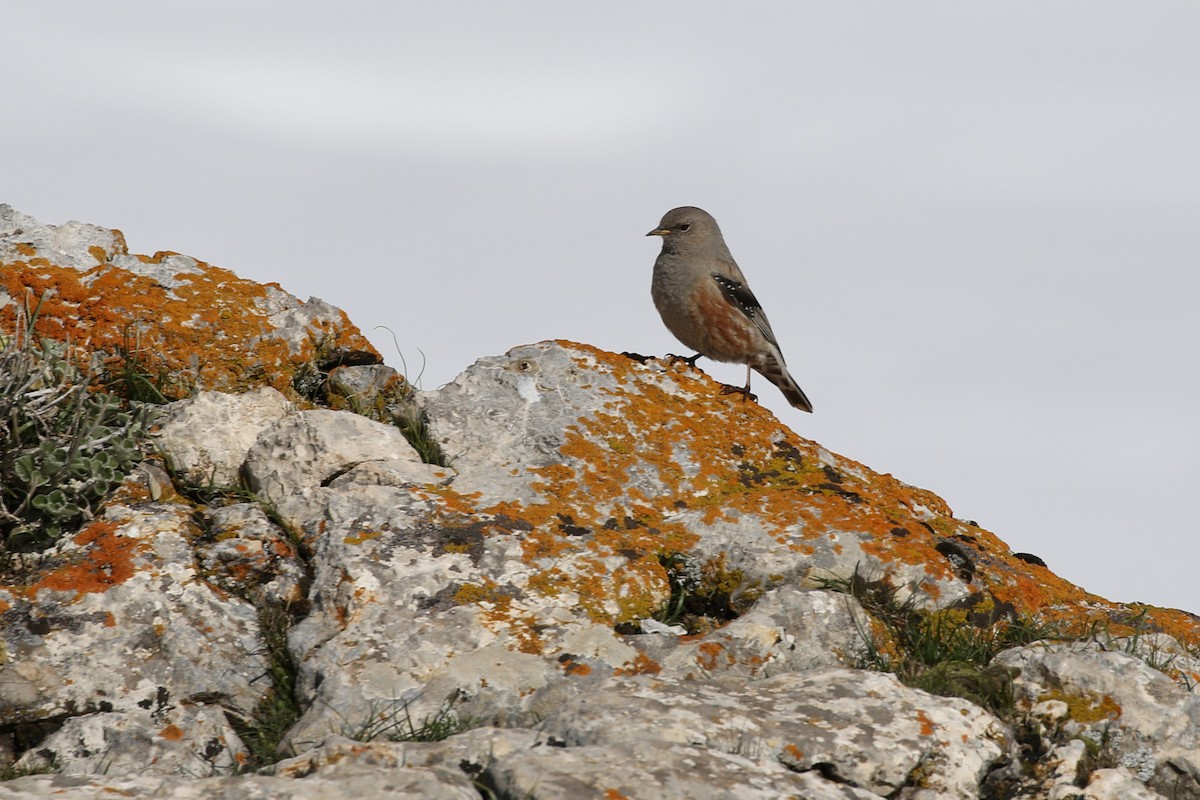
{"x": 743, "y": 391}
{"x": 689, "y": 360}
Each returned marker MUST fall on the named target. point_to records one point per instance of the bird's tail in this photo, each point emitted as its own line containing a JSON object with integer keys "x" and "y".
{"x": 774, "y": 370}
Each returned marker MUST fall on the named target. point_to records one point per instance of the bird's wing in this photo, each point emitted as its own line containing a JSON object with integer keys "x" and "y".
{"x": 740, "y": 297}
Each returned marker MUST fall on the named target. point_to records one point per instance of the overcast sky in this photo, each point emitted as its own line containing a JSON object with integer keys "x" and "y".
{"x": 975, "y": 226}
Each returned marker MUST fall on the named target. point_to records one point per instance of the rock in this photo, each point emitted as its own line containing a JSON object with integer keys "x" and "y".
{"x": 404, "y": 783}
{"x": 656, "y": 769}
{"x": 863, "y": 729}
{"x": 1136, "y": 716}
{"x": 245, "y": 552}
{"x": 189, "y": 741}
{"x": 374, "y": 391}
{"x": 184, "y": 324}
{"x": 1117, "y": 784}
{"x": 206, "y": 437}
{"x": 645, "y": 581}
{"x": 129, "y": 582}
{"x": 114, "y": 633}
{"x": 787, "y": 630}
{"x": 472, "y": 752}
{"x": 310, "y": 449}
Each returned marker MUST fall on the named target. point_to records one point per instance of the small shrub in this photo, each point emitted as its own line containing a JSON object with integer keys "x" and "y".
{"x": 63, "y": 448}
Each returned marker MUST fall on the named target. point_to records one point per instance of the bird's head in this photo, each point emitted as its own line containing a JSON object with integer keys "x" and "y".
{"x": 687, "y": 229}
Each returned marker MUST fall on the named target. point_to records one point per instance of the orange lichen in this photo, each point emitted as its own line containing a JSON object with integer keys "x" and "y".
{"x": 572, "y": 667}
{"x": 641, "y": 664}
{"x": 361, "y": 536}
{"x": 171, "y": 733}
{"x": 210, "y": 331}
{"x": 595, "y": 534}
{"x": 107, "y": 561}
{"x": 708, "y": 656}
{"x": 926, "y": 723}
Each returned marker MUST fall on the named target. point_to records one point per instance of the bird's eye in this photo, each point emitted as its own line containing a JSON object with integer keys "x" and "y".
{"x": 684, "y": 226}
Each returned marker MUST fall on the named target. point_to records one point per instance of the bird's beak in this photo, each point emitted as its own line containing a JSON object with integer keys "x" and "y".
{"x": 658, "y": 232}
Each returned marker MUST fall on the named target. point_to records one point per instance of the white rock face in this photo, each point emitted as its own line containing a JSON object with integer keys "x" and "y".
{"x": 787, "y": 630}
{"x": 207, "y": 436}
{"x": 169, "y": 740}
{"x": 70, "y": 245}
{"x": 863, "y": 729}
{"x": 310, "y": 449}
{"x": 121, "y": 639}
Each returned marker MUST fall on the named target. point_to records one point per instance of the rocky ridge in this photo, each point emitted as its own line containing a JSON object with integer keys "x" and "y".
{"x": 624, "y": 584}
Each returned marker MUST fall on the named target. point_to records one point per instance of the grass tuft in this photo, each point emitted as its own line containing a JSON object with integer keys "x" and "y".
{"x": 939, "y": 651}
{"x": 393, "y": 722}
{"x": 264, "y": 728}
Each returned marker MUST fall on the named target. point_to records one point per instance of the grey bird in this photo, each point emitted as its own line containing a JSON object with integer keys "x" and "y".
{"x": 704, "y": 300}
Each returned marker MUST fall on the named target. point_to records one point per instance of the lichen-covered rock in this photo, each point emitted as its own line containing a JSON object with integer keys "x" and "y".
{"x": 864, "y": 729}
{"x": 245, "y": 553}
{"x": 166, "y": 739}
{"x": 401, "y": 783}
{"x": 116, "y": 614}
{"x": 187, "y": 324}
{"x": 787, "y": 630}
{"x": 1116, "y": 784}
{"x": 616, "y": 458}
{"x": 656, "y": 769}
{"x": 117, "y": 623}
{"x": 1138, "y": 717}
{"x": 629, "y": 569}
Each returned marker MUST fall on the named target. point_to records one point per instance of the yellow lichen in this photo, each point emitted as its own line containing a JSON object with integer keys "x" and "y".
{"x": 1085, "y": 708}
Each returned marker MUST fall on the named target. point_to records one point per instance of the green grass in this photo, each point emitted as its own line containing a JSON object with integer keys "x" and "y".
{"x": 392, "y": 721}
{"x": 263, "y": 729}
{"x": 939, "y": 651}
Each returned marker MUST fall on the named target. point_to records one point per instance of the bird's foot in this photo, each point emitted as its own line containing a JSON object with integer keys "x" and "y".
{"x": 689, "y": 360}
{"x": 744, "y": 391}
{"x": 638, "y": 357}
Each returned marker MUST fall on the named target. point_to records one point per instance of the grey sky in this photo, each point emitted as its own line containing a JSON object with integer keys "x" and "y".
{"x": 975, "y": 227}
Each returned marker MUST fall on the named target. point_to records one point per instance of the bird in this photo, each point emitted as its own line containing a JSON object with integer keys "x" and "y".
{"x": 704, "y": 300}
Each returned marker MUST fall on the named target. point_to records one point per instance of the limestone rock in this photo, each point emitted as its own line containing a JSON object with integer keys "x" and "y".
{"x": 246, "y": 553}
{"x": 1117, "y": 784}
{"x": 116, "y": 623}
{"x": 312, "y": 448}
{"x": 786, "y": 630}
{"x": 1136, "y": 715}
{"x": 594, "y": 505}
{"x": 426, "y": 783}
{"x": 206, "y": 437}
{"x": 863, "y": 729}
{"x": 188, "y": 741}
{"x": 656, "y": 769}
{"x": 129, "y": 582}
